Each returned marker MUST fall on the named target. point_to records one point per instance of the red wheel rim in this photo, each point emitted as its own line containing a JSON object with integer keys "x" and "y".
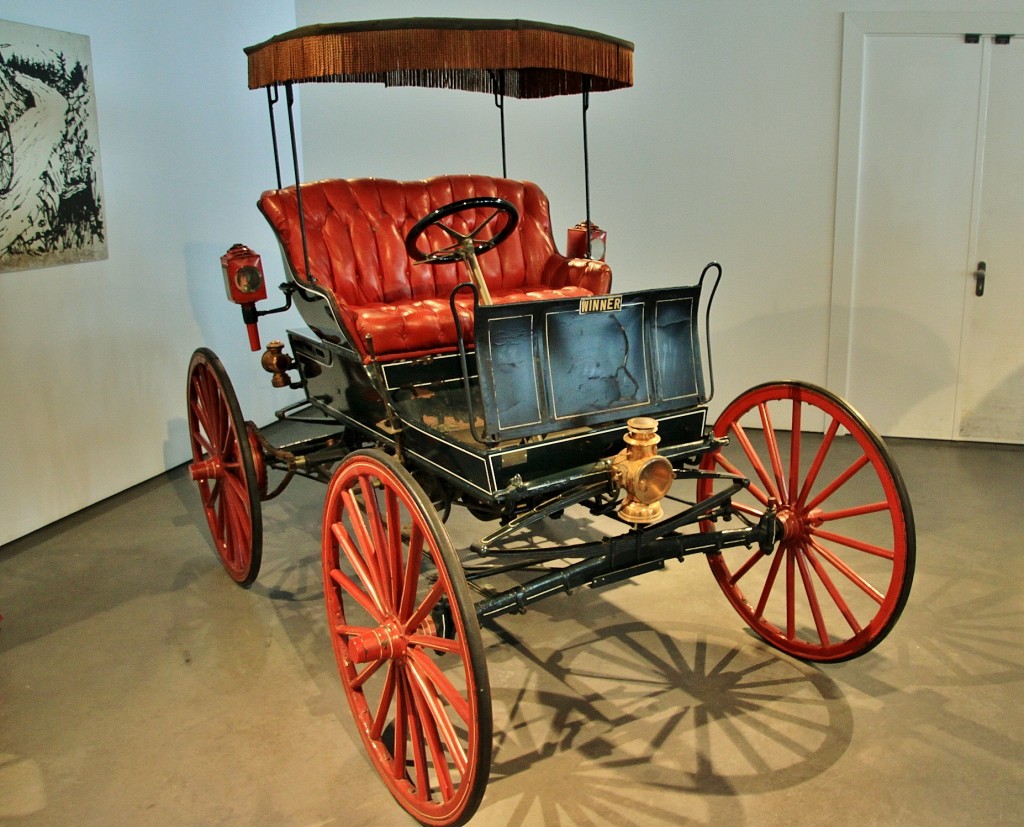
{"x": 840, "y": 574}
{"x": 222, "y": 467}
{"x": 259, "y": 465}
{"x": 406, "y": 639}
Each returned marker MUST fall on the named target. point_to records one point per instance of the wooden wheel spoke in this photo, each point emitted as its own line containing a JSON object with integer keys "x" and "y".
{"x": 394, "y": 545}
{"x": 438, "y": 644}
{"x": 368, "y": 672}
{"x": 819, "y": 459}
{"x": 749, "y": 510}
{"x": 360, "y": 568}
{"x": 378, "y": 545}
{"x": 859, "y": 545}
{"x": 387, "y": 696}
{"x": 428, "y": 603}
{"x": 790, "y": 593}
{"x": 201, "y": 435}
{"x": 237, "y": 494}
{"x": 236, "y": 534}
{"x": 445, "y": 688}
{"x": 839, "y": 481}
{"x": 812, "y": 596}
{"x": 830, "y": 587}
{"x": 400, "y": 730}
{"x": 772, "y": 444}
{"x": 417, "y": 738}
{"x": 752, "y": 561}
{"x": 362, "y": 545}
{"x": 769, "y": 583}
{"x": 853, "y": 511}
{"x": 755, "y": 459}
{"x": 352, "y": 589}
{"x": 413, "y": 565}
{"x": 840, "y": 565}
{"x": 729, "y": 468}
{"x": 438, "y": 732}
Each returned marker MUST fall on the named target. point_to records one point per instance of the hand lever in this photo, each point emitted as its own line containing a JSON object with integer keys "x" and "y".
{"x": 979, "y": 279}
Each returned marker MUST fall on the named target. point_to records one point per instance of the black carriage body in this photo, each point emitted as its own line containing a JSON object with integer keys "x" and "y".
{"x": 541, "y": 405}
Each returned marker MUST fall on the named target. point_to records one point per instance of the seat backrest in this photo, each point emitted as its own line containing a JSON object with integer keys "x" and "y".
{"x": 356, "y": 229}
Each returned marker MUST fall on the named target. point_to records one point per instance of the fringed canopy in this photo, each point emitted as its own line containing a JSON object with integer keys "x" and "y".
{"x": 529, "y": 60}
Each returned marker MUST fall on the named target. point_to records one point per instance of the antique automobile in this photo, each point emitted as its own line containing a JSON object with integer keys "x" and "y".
{"x": 453, "y": 357}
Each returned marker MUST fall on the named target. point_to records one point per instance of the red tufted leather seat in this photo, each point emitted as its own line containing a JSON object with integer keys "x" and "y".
{"x": 355, "y": 233}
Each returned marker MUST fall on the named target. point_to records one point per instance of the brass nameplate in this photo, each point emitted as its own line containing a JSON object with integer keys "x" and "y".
{"x": 600, "y": 304}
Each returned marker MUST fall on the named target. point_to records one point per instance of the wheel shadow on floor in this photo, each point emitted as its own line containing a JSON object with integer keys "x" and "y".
{"x": 630, "y": 724}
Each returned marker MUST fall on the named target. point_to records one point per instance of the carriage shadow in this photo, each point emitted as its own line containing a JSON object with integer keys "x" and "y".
{"x": 629, "y": 715}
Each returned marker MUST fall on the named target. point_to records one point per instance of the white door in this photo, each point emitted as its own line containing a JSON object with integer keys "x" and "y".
{"x": 930, "y": 183}
{"x": 990, "y": 401}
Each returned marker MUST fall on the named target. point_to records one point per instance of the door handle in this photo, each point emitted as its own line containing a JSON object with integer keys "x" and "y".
{"x": 979, "y": 279}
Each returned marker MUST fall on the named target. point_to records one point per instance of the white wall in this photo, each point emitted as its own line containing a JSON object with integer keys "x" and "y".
{"x": 92, "y": 376}
{"x": 725, "y": 149}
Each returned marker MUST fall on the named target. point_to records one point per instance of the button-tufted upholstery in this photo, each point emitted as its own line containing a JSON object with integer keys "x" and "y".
{"x": 355, "y": 233}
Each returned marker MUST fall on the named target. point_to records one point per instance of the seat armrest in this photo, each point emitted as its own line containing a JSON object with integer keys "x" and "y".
{"x": 590, "y": 274}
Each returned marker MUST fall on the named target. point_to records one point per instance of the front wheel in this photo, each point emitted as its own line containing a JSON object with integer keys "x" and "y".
{"x": 840, "y": 574}
{"x": 406, "y": 639}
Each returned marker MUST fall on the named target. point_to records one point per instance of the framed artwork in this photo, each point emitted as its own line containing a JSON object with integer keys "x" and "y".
{"x": 51, "y": 194}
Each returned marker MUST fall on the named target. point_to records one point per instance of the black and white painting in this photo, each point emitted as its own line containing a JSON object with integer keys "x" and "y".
{"x": 51, "y": 199}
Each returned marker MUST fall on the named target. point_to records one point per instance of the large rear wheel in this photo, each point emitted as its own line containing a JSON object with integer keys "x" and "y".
{"x": 406, "y": 639}
{"x": 224, "y": 468}
{"x": 839, "y": 576}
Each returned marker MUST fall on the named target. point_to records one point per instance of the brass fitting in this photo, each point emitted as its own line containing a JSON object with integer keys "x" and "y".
{"x": 645, "y": 476}
{"x": 275, "y": 361}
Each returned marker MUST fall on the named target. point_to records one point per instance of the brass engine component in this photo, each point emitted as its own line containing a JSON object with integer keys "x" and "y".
{"x": 645, "y": 476}
{"x": 275, "y": 361}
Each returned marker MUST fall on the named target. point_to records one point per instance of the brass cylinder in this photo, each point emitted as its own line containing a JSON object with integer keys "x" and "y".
{"x": 645, "y": 475}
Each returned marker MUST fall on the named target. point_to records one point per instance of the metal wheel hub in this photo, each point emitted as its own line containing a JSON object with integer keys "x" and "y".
{"x": 207, "y": 469}
{"x": 797, "y": 524}
{"x": 387, "y": 642}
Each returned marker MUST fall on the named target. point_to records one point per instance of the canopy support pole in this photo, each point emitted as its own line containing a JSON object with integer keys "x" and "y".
{"x": 290, "y": 100}
{"x": 272, "y": 98}
{"x": 498, "y": 78}
{"x": 586, "y": 155}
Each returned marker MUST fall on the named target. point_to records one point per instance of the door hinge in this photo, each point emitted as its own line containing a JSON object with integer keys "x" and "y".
{"x": 998, "y": 39}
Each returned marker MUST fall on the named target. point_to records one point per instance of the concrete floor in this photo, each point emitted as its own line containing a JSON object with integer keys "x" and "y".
{"x": 139, "y": 686}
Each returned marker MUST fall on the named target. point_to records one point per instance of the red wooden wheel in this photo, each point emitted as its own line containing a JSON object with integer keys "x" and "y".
{"x": 223, "y": 467}
{"x": 406, "y": 639}
{"x": 839, "y": 576}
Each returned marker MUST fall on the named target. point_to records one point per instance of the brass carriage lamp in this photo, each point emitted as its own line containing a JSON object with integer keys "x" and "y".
{"x": 645, "y": 475}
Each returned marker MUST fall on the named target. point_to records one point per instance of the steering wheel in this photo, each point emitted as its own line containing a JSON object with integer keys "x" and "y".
{"x": 463, "y": 243}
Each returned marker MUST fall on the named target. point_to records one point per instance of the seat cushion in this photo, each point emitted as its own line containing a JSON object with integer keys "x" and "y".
{"x": 421, "y": 327}
{"x": 355, "y": 241}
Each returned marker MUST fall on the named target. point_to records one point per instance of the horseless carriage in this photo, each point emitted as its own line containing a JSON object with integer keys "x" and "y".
{"x": 454, "y": 357}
